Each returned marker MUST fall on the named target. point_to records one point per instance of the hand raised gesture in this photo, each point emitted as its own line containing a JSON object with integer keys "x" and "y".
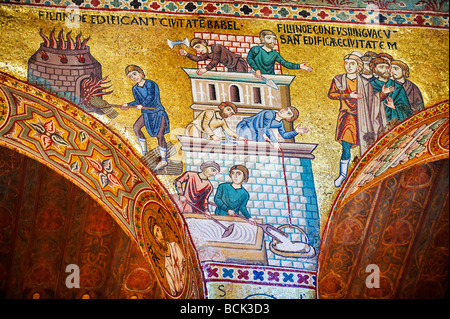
{"x": 387, "y": 90}
{"x": 301, "y": 130}
{"x": 306, "y": 67}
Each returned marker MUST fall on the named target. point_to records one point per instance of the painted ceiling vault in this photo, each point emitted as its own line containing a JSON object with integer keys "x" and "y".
{"x": 224, "y": 149}
{"x": 49, "y": 223}
{"x": 395, "y": 218}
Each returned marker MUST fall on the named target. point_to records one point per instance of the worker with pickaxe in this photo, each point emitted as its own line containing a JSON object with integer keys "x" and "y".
{"x": 217, "y": 53}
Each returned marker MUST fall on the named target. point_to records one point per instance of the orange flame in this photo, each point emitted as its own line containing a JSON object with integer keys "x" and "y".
{"x": 64, "y": 44}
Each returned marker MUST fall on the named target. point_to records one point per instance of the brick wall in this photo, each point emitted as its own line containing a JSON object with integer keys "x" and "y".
{"x": 266, "y": 184}
{"x": 268, "y": 199}
{"x": 238, "y": 44}
{"x": 64, "y": 80}
{"x": 46, "y": 69}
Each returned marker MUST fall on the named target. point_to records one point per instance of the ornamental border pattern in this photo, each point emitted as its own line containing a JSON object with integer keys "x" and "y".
{"x": 120, "y": 159}
{"x": 259, "y": 275}
{"x": 63, "y": 137}
{"x": 301, "y": 13}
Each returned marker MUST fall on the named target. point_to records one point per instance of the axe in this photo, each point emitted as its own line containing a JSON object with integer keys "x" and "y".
{"x": 180, "y": 42}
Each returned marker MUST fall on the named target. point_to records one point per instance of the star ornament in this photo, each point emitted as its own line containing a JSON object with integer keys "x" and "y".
{"x": 105, "y": 172}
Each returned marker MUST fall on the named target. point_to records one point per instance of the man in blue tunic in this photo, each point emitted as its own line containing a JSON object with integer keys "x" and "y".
{"x": 153, "y": 117}
{"x": 259, "y": 126}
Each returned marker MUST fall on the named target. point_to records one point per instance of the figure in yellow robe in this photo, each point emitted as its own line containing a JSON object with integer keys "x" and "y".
{"x": 360, "y": 114}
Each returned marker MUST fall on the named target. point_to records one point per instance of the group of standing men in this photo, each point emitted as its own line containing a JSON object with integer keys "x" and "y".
{"x": 374, "y": 94}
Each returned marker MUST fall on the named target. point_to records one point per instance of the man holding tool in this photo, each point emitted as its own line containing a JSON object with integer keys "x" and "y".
{"x": 231, "y": 198}
{"x": 194, "y": 188}
{"x": 216, "y": 53}
{"x": 156, "y": 121}
{"x": 262, "y": 58}
{"x": 208, "y": 121}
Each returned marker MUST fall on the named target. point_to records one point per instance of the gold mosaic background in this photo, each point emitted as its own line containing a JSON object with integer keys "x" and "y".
{"x": 424, "y": 50}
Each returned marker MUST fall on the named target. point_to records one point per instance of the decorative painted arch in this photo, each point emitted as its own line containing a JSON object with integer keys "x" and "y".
{"x": 392, "y": 215}
{"x": 73, "y": 143}
{"x": 421, "y": 138}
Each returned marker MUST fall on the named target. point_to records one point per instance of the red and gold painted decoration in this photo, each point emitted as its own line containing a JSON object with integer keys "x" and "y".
{"x": 378, "y": 12}
{"x": 161, "y": 237}
{"x": 71, "y": 142}
{"x": 48, "y": 223}
{"x": 421, "y": 138}
{"x": 397, "y": 221}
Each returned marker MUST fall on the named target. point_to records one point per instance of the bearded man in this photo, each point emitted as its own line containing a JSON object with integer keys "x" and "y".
{"x": 174, "y": 260}
{"x": 400, "y": 73}
{"x": 262, "y": 58}
{"x": 392, "y": 94}
{"x": 207, "y": 121}
{"x": 360, "y": 115}
{"x": 366, "y": 72}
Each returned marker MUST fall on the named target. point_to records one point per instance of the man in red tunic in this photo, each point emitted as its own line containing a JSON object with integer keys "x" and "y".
{"x": 194, "y": 188}
{"x": 359, "y": 117}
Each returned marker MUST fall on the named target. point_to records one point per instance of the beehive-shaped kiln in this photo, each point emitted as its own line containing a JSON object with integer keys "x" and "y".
{"x": 66, "y": 66}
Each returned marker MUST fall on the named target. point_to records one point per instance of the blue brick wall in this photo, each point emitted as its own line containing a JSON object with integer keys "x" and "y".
{"x": 268, "y": 199}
